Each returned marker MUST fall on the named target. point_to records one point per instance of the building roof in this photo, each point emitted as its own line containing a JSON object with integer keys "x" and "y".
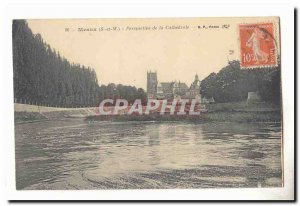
{"x": 183, "y": 86}
{"x": 169, "y": 85}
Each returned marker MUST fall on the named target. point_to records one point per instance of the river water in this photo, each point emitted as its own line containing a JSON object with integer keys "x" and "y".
{"x": 74, "y": 154}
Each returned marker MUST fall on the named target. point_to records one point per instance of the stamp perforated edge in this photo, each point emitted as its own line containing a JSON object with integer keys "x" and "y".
{"x": 276, "y": 35}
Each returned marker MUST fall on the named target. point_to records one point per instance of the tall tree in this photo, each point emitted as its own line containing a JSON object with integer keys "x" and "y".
{"x": 42, "y": 76}
{"x": 232, "y": 83}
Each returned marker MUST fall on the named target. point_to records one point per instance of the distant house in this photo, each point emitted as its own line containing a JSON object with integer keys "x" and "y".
{"x": 167, "y": 90}
{"x": 253, "y": 97}
{"x": 172, "y": 90}
{"x": 206, "y": 100}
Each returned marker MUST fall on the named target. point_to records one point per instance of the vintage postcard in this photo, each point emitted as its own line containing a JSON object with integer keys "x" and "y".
{"x": 147, "y": 103}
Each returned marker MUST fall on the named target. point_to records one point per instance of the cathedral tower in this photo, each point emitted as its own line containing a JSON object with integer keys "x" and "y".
{"x": 151, "y": 85}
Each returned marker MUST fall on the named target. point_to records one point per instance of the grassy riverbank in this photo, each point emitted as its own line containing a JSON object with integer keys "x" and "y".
{"x": 242, "y": 116}
{"x": 218, "y": 112}
{"x": 242, "y": 112}
{"x": 243, "y": 107}
{"x": 27, "y": 117}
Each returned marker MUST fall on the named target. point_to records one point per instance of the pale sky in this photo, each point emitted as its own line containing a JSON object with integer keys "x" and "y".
{"x": 124, "y": 56}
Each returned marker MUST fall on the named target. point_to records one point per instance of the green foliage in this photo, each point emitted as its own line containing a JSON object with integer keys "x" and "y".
{"x": 43, "y": 77}
{"x": 232, "y": 83}
{"x": 21, "y": 117}
{"x": 130, "y": 93}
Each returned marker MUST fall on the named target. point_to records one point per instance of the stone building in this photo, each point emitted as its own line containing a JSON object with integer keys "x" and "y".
{"x": 171, "y": 90}
{"x": 194, "y": 91}
{"x": 151, "y": 85}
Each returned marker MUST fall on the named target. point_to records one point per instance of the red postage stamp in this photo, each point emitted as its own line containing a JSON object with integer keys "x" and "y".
{"x": 257, "y": 45}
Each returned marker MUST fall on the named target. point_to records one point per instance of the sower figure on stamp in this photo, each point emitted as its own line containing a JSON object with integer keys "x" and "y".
{"x": 254, "y": 42}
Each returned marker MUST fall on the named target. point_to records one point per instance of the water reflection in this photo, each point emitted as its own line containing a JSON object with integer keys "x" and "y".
{"x": 76, "y": 155}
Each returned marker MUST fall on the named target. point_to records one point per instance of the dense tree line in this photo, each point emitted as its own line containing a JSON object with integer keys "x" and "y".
{"x": 43, "y": 77}
{"x": 130, "y": 93}
{"x": 233, "y": 83}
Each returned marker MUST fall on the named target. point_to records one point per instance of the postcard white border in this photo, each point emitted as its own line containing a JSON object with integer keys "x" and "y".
{"x": 21, "y": 11}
